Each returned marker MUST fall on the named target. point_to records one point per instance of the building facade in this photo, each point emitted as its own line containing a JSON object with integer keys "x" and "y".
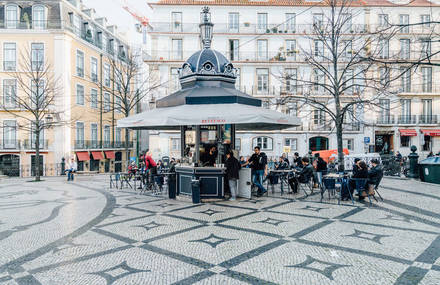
{"x": 77, "y": 46}
{"x": 264, "y": 40}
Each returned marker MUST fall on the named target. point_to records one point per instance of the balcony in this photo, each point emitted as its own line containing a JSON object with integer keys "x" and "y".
{"x": 385, "y": 120}
{"x": 94, "y": 144}
{"x": 10, "y": 145}
{"x": 428, "y": 119}
{"x": 30, "y": 145}
{"x": 320, "y": 127}
{"x": 352, "y": 127}
{"x": 31, "y": 25}
{"x": 9, "y": 65}
{"x": 406, "y": 120}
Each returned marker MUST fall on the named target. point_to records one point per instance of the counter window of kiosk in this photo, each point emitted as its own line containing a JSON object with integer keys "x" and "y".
{"x": 209, "y": 157}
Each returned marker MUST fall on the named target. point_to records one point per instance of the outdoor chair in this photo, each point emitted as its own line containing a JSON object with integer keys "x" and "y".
{"x": 376, "y": 187}
{"x": 329, "y": 185}
{"x": 306, "y": 185}
{"x": 361, "y": 184}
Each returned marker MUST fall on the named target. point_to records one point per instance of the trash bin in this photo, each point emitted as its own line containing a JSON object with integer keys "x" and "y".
{"x": 195, "y": 185}
{"x": 430, "y": 169}
{"x": 172, "y": 186}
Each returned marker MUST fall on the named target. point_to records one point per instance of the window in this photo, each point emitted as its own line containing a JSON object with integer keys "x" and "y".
{"x": 9, "y": 56}
{"x": 104, "y": 42}
{"x": 262, "y": 80}
{"x": 94, "y": 69}
{"x": 80, "y": 134}
{"x": 406, "y": 107}
{"x": 291, "y": 49}
{"x": 384, "y": 76}
{"x": 106, "y": 136}
{"x": 319, "y": 48}
{"x": 348, "y": 144}
{"x": 384, "y": 46}
{"x": 291, "y": 76}
{"x": 9, "y": 93}
{"x": 318, "y": 117}
{"x": 405, "y": 79}
{"x": 348, "y": 81}
{"x": 118, "y": 104}
{"x": 94, "y": 98}
{"x": 11, "y": 16}
{"x": 293, "y": 143}
{"x": 9, "y": 134}
{"x": 34, "y": 136}
{"x": 176, "y": 18}
{"x": 404, "y": 48}
{"x": 348, "y": 49}
{"x": 384, "y": 105}
{"x": 427, "y": 107}
{"x": 262, "y": 49}
{"x": 426, "y": 48}
{"x": 318, "y": 21}
{"x": 426, "y": 79}
{"x": 262, "y": 22}
{"x": 177, "y": 52}
{"x": 79, "y": 94}
{"x": 175, "y": 144}
{"x": 37, "y": 54}
{"x": 38, "y": 17}
{"x": 233, "y": 22}
{"x": 175, "y": 83}
{"x": 77, "y": 25}
{"x": 292, "y": 109}
{"x": 38, "y": 93}
{"x": 79, "y": 63}
{"x": 405, "y": 141}
{"x": 94, "y": 135}
{"x": 106, "y": 75}
{"x": 404, "y": 23}
{"x": 106, "y": 102}
{"x": 290, "y": 22}
{"x": 383, "y": 20}
{"x": 265, "y": 143}
{"x": 425, "y": 19}
{"x": 347, "y": 20}
{"x": 118, "y": 135}
{"x": 233, "y": 49}
{"x": 318, "y": 79}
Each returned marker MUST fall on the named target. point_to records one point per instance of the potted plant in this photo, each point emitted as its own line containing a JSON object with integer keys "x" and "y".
{"x": 25, "y": 19}
{"x": 267, "y": 31}
{"x": 89, "y": 36}
{"x": 247, "y": 24}
{"x": 274, "y": 30}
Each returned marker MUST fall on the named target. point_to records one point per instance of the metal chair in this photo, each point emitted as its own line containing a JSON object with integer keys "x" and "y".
{"x": 305, "y": 185}
{"x": 361, "y": 184}
{"x": 329, "y": 185}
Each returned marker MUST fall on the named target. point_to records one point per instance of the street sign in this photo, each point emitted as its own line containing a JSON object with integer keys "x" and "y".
{"x": 366, "y": 140}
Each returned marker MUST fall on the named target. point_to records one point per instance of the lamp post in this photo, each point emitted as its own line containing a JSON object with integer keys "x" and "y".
{"x": 413, "y": 163}
{"x": 206, "y": 27}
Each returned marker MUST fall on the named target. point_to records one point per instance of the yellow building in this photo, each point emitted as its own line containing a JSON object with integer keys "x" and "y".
{"x": 78, "y": 48}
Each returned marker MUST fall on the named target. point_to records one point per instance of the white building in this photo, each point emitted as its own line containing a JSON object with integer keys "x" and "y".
{"x": 263, "y": 38}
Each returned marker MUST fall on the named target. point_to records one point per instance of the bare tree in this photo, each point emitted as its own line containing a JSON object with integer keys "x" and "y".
{"x": 341, "y": 77}
{"x": 127, "y": 86}
{"x": 33, "y": 102}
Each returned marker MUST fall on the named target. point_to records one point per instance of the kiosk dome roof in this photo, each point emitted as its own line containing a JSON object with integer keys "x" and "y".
{"x": 208, "y": 61}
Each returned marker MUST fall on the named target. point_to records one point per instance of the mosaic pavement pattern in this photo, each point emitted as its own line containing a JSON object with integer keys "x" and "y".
{"x": 56, "y": 232}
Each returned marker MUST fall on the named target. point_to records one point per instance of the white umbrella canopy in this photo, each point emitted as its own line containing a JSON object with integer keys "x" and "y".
{"x": 245, "y": 117}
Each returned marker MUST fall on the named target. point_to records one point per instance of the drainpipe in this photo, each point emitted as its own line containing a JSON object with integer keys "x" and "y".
{"x": 100, "y": 107}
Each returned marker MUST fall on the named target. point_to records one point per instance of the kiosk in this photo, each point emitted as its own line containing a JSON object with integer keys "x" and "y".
{"x": 207, "y": 110}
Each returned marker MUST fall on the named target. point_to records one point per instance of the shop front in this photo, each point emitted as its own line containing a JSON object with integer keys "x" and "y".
{"x": 429, "y": 136}
{"x": 384, "y": 142}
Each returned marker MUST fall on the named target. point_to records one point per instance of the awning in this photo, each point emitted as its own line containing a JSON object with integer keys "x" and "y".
{"x": 97, "y": 155}
{"x": 83, "y": 155}
{"x": 109, "y": 154}
{"x": 431, "y": 133}
{"x": 408, "y": 132}
{"x": 245, "y": 117}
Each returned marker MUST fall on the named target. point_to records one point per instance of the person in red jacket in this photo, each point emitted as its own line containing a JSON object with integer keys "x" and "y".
{"x": 150, "y": 165}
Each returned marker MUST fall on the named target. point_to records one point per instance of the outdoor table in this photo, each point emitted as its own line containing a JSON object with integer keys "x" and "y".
{"x": 283, "y": 174}
{"x": 342, "y": 179}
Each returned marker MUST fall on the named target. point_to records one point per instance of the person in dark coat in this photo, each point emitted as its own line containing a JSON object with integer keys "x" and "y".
{"x": 360, "y": 172}
{"x": 232, "y": 173}
{"x": 303, "y": 176}
{"x": 296, "y": 160}
{"x": 375, "y": 175}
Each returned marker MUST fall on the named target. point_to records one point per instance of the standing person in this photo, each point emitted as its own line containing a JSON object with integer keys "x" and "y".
{"x": 209, "y": 158}
{"x": 73, "y": 167}
{"x": 150, "y": 165}
{"x": 258, "y": 163}
{"x": 232, "y": 173}
{"x": 297, "y": 160}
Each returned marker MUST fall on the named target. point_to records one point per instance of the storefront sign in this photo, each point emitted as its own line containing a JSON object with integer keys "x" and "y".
{"x": 366, "y": 140}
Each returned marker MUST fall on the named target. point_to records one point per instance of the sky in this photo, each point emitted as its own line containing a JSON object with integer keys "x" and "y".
{"x": 115, "y": 14}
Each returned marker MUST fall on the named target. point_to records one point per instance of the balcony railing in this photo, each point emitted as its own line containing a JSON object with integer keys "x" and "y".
{"x": 385, "y": 120}
{"x": 428, "y": 119}
{"x": 30, "y": 144}
{"x": 10, "y": 145}
{"x": 31, "y": 25}
{"x": 94, "y": 144}
{"x": 327, "y": 126}
{"x": 9, "y": 65}
{"x": 352, "y": 127}
{"x": 406, "y": 120}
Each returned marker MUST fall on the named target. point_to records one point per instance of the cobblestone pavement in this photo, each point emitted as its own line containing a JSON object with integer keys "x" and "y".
{"x": 56, "y": 232}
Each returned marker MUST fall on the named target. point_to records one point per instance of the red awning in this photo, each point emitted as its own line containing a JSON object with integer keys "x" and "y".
{"x": 408, "y": 132}
{"x": 109, "y": 154}
{"x": 97, "y": 155}
{"x": 431, "y": 133}
{"x": 83, "y": 155}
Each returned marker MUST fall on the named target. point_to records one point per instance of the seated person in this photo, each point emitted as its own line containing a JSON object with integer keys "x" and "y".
{"x": 303, "y": 176}
{"x": 375, "y": 174}
{"x": 209, "y": 158}
{"x": 282, "y": 164}
{"x": 360, "y": 170}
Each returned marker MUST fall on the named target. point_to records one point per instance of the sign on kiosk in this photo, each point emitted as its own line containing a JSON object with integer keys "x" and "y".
{"x": 286, "y": 149}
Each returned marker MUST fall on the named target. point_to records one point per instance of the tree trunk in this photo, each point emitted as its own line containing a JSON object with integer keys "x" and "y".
{"x": 37, "y": 153}
{"x": 339, "y": 131}
{"x": 127, "y": 149}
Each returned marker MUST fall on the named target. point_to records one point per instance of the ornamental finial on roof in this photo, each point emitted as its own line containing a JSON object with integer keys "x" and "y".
{"x": 206, "y": 27}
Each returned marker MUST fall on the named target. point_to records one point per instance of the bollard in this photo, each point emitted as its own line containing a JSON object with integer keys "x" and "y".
{"x": 172, "y": 186}
{"x": 413, "y": 163}
{"x": 63, "y": 166}
{"x": 195, "y": 191}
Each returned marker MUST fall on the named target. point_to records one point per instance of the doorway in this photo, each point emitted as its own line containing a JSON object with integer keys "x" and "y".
{"x": 318, "y": 143}
{"x": 10, "y": 165}
{"x": 384, "y": 143}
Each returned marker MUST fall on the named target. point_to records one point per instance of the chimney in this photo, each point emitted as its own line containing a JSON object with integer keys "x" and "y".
{"x": 89, "y": 12}
{"x": 102, "y": 21}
